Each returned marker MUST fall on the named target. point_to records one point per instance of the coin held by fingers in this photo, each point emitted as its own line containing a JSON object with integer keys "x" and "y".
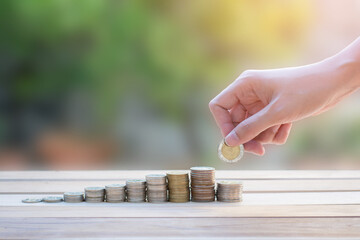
{"x": 230, "y": 154}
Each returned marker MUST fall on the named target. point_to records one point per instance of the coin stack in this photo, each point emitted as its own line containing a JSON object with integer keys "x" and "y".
{"x": 178, "y": 182}
{"x": 94, "y": 194}
{"x": 74, "y": 197}
{"x": 52, "y": 199}
{"x": 202, "y": 184}
{"x": 229, "y": 191}
{"x": 136, "y": 190}
{"x": 115, "y": 193}
{"x": 156, "y": 188}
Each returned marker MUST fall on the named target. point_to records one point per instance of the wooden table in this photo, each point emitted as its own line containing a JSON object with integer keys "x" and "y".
{"x": 288, "y": 204}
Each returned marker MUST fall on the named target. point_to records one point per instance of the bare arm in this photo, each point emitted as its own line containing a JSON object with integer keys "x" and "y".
{"x": 260, "y": 105}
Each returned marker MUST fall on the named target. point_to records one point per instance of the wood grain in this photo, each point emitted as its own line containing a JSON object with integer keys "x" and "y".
{"x": 165, "y": 228}
{"x": 184, "y": 210}
{"x": 257, "y": 199}
{"x": 250, "y": 186}
{"x": 276, "y": 204}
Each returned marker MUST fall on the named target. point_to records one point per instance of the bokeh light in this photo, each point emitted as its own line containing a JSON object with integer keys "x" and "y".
{"x": 92, "y": 84}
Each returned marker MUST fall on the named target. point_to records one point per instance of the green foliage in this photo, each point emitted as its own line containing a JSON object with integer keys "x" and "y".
{"x": 163, "y": 50}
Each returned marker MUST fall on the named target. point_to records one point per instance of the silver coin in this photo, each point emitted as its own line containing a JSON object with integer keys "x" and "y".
{"x": 74, "y": 197}
{"x": 94, "y": 194}
{"x": 94, "y": 199}
{"x": 32, "y": 200}
{"x": 73, "y": 200}
{"x": 155, "y": 176}
{"x": 230, "y": 182}
{"x": 73, "y": 194}
{"x": 95, "y": 189}
{"x": 139, "y": 181}
{"x": 115, "y": 200}
{"x": 52, "y": 199}
{"x": 120, "y": 186}
{"x": 202, "y": 169}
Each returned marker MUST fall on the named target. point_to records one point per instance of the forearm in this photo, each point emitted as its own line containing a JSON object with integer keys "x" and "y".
{"x": 264, "y": 102}
{"x": 347, "y": 63}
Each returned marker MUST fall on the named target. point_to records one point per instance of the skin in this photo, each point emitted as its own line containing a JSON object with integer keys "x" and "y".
{"x": 260, "y": 106}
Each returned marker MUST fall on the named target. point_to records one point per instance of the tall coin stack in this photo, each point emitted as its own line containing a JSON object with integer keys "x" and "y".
{"x": 178, "y": 182}
{"x": 202, "y": 184}
{"x": 229, "y": 191}
{"x": 74, "y": 197}
{"x": 136, "y": 190}
{"x": 94, "y": 194}
{"x": 156, "y": 188}
{"x": 115, "y": 193}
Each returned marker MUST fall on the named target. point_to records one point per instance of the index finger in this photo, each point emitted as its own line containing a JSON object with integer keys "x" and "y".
{"x": 220, "y": 108}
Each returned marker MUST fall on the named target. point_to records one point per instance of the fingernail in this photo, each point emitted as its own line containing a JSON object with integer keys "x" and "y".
{"x": 232, "y": 139}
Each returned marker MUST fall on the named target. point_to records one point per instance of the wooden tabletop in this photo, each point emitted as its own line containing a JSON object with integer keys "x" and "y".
{"x": 276, "y": 204}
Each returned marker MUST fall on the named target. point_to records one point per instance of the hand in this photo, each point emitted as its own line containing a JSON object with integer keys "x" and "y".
{"x": 260, "y": 105}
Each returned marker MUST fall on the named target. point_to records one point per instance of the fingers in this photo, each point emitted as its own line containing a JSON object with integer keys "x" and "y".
{"x": 220, "y": 108}
{"x": 250, "y": 127}
{"x": 238, "y": 114}
{"x": 274, "y": 135}
{"x": 282, "y": 134}
{"x": 268, "y": 135}
{"x": 254, "y": 147}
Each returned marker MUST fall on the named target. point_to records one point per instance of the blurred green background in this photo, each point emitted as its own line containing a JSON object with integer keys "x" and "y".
{"x": 93, "y": 84}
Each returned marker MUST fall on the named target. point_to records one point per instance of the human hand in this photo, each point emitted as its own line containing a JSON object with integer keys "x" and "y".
{"x": 260, "y": 105}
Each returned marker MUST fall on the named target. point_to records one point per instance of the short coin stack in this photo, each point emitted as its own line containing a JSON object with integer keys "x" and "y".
{"x": 115, "y": 193}
{"x": 178, "y": 182}
{"x": 52, "y": 199}
{"x": 202, "y": 184}
{"x": 156, "y": 188}
{"x": 136, "y": 190}
{"x": 229, "y": 191}
{"x": 74, "y": 197}
{"x": 94, "y": 194}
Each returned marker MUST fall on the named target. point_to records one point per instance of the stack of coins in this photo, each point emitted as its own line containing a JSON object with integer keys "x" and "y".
{"x": 178, "y": 182}
{"x": 202, "y": 184}
{"x": 115, "y": 193}
{"x": 74, "y": 197}
{"x": 136, "y": 190}
{"x": 94, "y": 194}
{"x": 229, "y": 191}
{"x": 52, "y": 199}
{"x": 156, "y": 188}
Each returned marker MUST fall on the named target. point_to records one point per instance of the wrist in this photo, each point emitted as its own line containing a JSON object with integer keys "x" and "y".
{"x": 347, "y": 62}
{"x": 345, "y": 71}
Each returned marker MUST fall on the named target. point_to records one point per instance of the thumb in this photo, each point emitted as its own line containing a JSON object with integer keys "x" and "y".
{"x": 251, "y": 127}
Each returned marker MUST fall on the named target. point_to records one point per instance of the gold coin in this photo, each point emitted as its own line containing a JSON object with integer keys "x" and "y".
{"x": 177, "y": 173}
{"x": 230, "y": 154}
